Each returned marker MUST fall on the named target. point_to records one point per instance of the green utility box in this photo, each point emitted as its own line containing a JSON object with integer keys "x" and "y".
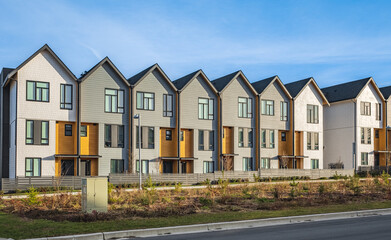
{"x": 94, "y": 194}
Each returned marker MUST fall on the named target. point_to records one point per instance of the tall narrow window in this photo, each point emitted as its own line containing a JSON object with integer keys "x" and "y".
{"x": 29, "y": 132}
{"x": 45, "y": 132}
{"x": 66, "y": 96}
{"x": 114, "y": 101}
{"x": 167, "y": 105}
{"x": 37, "y": 91}
{"x": 241, "y": 136}
{"x": 284, "y": 111}
{"x": 267, "y": 107}
{"x": 263, "y": 138}
{"x": 211, "y": 140}
{"x": 145, "y": 166}
{"x": 247, "y": 164}
{"x": 168, "y": 135}
{"x": 250, "y": 137}
{"x": 37, "y": 132}
{"x": 205, "y": 108}
{"x": 265, "y": 163}
{"x": 145, "y": 101}
{"x": 205, "y": 140}
{"x": 68, "y": 130}
{"x": 107, "y": 135}
{"x": 271, "y": 139}
{"x": 114, "y": 136}
{"x": 120, "y": 136}
{"x": 267, "y": 138}
{"x": 312, "y": 113}
{"x": 312, "y": 141}
{"x": 245, "y": 137}
{"x": 83, "y": 131}
{"x": 283, "y": 136}
{"x": 245, "y": 108}
{"x": 33, "y": 167}
{"x": 200, "y": 140}
{"x": 364, "y": 158}
{"x": 378, "y": 111}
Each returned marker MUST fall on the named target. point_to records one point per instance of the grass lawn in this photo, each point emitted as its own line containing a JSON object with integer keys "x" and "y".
{"x": 15, "y": 227}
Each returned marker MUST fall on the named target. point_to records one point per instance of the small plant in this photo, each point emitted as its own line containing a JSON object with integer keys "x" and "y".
{"x": 293, "y": 183}
{"x": 205, "y": 201}
{"x": 32, "y": 198}
{"x": 178, "y": 187}
{"x": 321, "y": 189}
{"x": 386, "y": 177}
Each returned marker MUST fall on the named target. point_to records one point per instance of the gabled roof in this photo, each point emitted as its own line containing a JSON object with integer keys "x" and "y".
{"x": 47, "y": 48}
{"x": 261, "y": 85}
{"x": 5, "y": 72}
{"x": 136, "y": 79}
{"x": 221, "y": 83}
{"x": 99, "y": 64}
{"x": 386, "y": 91}
{"x": 349, "y": 90}
{"x": 295, "y": 88}
{"x": 184, "y": 81}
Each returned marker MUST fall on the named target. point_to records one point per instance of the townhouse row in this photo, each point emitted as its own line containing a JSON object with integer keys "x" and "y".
{"x": 53, "y": 123}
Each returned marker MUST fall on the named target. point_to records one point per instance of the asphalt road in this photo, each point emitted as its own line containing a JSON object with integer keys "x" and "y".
{"x": 373, "y": 227}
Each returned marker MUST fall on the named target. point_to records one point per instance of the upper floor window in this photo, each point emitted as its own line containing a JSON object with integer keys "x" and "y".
{"x": 245, "y": 137}
{"x": 37, "y": 132}
{"x": 114, "y": 101}
{"x": 66, "y": 96}
{"x": 167, "y": 105}
{"x": 378, "y": 111}
{"x": 205, "y": 108}
{"x": 267, "y": 138}
{"x": 37, "y": 91}
{"x": 245, "y": 107}
{"x": 365, "y": 108}
{"x": 114, "y": 136}
{"x": 312, "y": 141}
{"x": 312, "y": 113}
{"x": 205, "y": 140}
{"x": 267, "y": 107}
{"x": 147, "y": 137}
{"x": 284, "y": 111}
{"x": 145, "y": 101}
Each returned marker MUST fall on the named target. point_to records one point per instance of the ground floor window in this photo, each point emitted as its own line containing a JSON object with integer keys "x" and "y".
{"x": 247, "y": 164}
{"x": 265, "y": 163}
{"x": 117, "y": 166}
{"x": 364, "y": 158}
{"x": 33, "y": 167}
{"x": 314, "y": 163}
{"x": 145, "y": 166}
{"x": 208, "y": 167}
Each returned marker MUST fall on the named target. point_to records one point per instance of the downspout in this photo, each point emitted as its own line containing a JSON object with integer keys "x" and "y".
{"x": 221, "y": 131}
{"x": 130, "y": 137}
{"x": 258, "y": 144}
{"x": 179, "y": 131}
{"x": 78, "y": 128}
{"x": 16, "y": 128}
{"x": 355, "y": 137}
{"x": 293, "y": 133}
{"x": 385, "y": 123}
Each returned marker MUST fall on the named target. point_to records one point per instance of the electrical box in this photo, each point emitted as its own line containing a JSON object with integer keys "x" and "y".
{"x": 94, "y": 195}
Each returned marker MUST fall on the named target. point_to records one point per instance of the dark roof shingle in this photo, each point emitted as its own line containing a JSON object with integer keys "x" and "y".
{"x": 260, "y": 85}
{"x": 181, "y": 82}
{"x": 220, "y": 83}
{"x": 5, "y": 72}
{"x": 344, "y": 91}
{"x": 295, "y": 87}
{"x": 133, "y": 80}
{"x": 386, "y": 91}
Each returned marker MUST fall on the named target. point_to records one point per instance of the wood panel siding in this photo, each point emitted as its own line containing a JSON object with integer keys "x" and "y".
{"x": 283, "y": 146}
{"x": 57, "y": 164}
{"x": 89, "y": 144}
{"x": 298, "y": 143}
{"x": 66, "y": 144}
{"x": 187, "y": 143}
{"x": 94, "y": 167}
{"x": 228, "y": 140}
{"x": 168, "y": 148}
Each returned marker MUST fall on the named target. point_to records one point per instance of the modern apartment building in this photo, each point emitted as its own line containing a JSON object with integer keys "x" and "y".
{"x": 154, "y": 100}
{"x": 307, "y": 125}
{"x": 274, "y": 120}
{"x": 354, "y": 126}
{"x": 238, "y": 110}
{"x": 386, "y": 91}
{"x": 198, "y": 123}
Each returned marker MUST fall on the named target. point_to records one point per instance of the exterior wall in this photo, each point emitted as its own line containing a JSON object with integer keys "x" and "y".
{"x": 309, "y": 95}
{"x": 230, "y": 118}
{"x": 339, "y": 133}
{"x": 43, "y": 67}
{"x": 12, "y": 121}
{"x": 153, "y": 83}
{"x": 368, "y": 94}
{"x": 92, "y": 100}
{"x": 388, "y": 106}
{"x": 66, "y": 144}
{"x": 273, "y": 92}
{"x": 189, "y": 119}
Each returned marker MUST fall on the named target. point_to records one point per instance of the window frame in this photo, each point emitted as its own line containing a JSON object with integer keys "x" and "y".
{"x": 142, "y": 94}
{"x": 282, "y": 117}
{"x": 32, "y": 133}
{"x": 48, "y": 130}
{"x": 117, "y": 160}
{"x": 365, "y": 159}
{"x": 210, "y": 166}
{"x": 148, "y": 143}
{"x": 32, "y": 166}
{"x": 378, "y": 107}
{"x": 314, "y": 118}
{"x": 67, "y": 130}
{"x": 35, "y": 91}
{"x": 138, "y": 166}
{"x": 81, "y": 130}
{"x": 65, "y": 94}
{"x": 208, "y": 115}
{"x": 262, "y": 165}
{"x": 247, "y": 107}
{"x": 170, "y": 135}
{"x": 111, "y": 105}
{"x": 267, "y": 107}
{"x": 365, "y": 108}
{"x": 314, "y": 166}
{"x": 165, "y": 105}
{"x": 366, "y": 135}
{"x": 249, "y": 166}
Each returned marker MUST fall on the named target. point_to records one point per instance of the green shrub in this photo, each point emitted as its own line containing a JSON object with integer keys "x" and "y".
{"x": 32, "y": 196}
{"x": 205, "y": 201}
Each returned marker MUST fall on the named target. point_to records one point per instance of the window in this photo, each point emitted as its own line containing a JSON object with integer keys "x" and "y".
{"x": 145, "y": 101}
{"x": 284, "y": 111}
{"x": 205, "y": 140}
{"x": 144, "y": 166}
{"x": 365, "y": 108}
{"x": 33, "y": 167}
{"x": 66, "y": 96}
{"x": 247, "y": 164}
{"x": 267, "y": 138}
{"x": 312, "y": 114}
{"x": 114, "y": 101}
{"x": 283, "y": 136}
{"x": 167, "y": 105}
{"x": 208, "y": 166}
{"x": 314, "y": 163}
{"x": 377, "y": 133}
{"x": 312, "y": 141}
{"x": 181, "y": 136}
{"x": 147, "y": 137}
{"x": 117, "y": 166}
{"x": 378, "y": 111}
{"x": 245, "y": 107}
{"x": 68, "y": 130}
{"x": 83, "y": 130}
{"x": 37, "y": 91}
{"x": 364, "y": 158}
{"x": 114, "y": 136}
{"x": 205, "y": 108}
{"x": 265, "y": 163}
{"x": 168, "y": 135}
{"x": 267, "y": 107}
{"x": 245, "y": 137}
{"x": 37, "y": 132}
{"x": 366, "y": 135}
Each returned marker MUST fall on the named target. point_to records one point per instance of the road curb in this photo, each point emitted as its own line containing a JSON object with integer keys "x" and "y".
{"x": 151, "y": 232}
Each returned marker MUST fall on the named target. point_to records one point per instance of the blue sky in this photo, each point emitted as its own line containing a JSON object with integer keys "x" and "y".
{"x": 332, "y": 41}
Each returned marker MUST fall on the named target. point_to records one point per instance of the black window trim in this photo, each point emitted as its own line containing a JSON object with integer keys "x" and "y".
{"x": 143, "y": 101}
{"x": 40, "y": 169}
{"x": 36, "y": 92}
{"x": 65, "y": 129}
{"x": 104, "y": 105}
{"x": 64, "y": 108}
{"x": 172, "y": 104}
